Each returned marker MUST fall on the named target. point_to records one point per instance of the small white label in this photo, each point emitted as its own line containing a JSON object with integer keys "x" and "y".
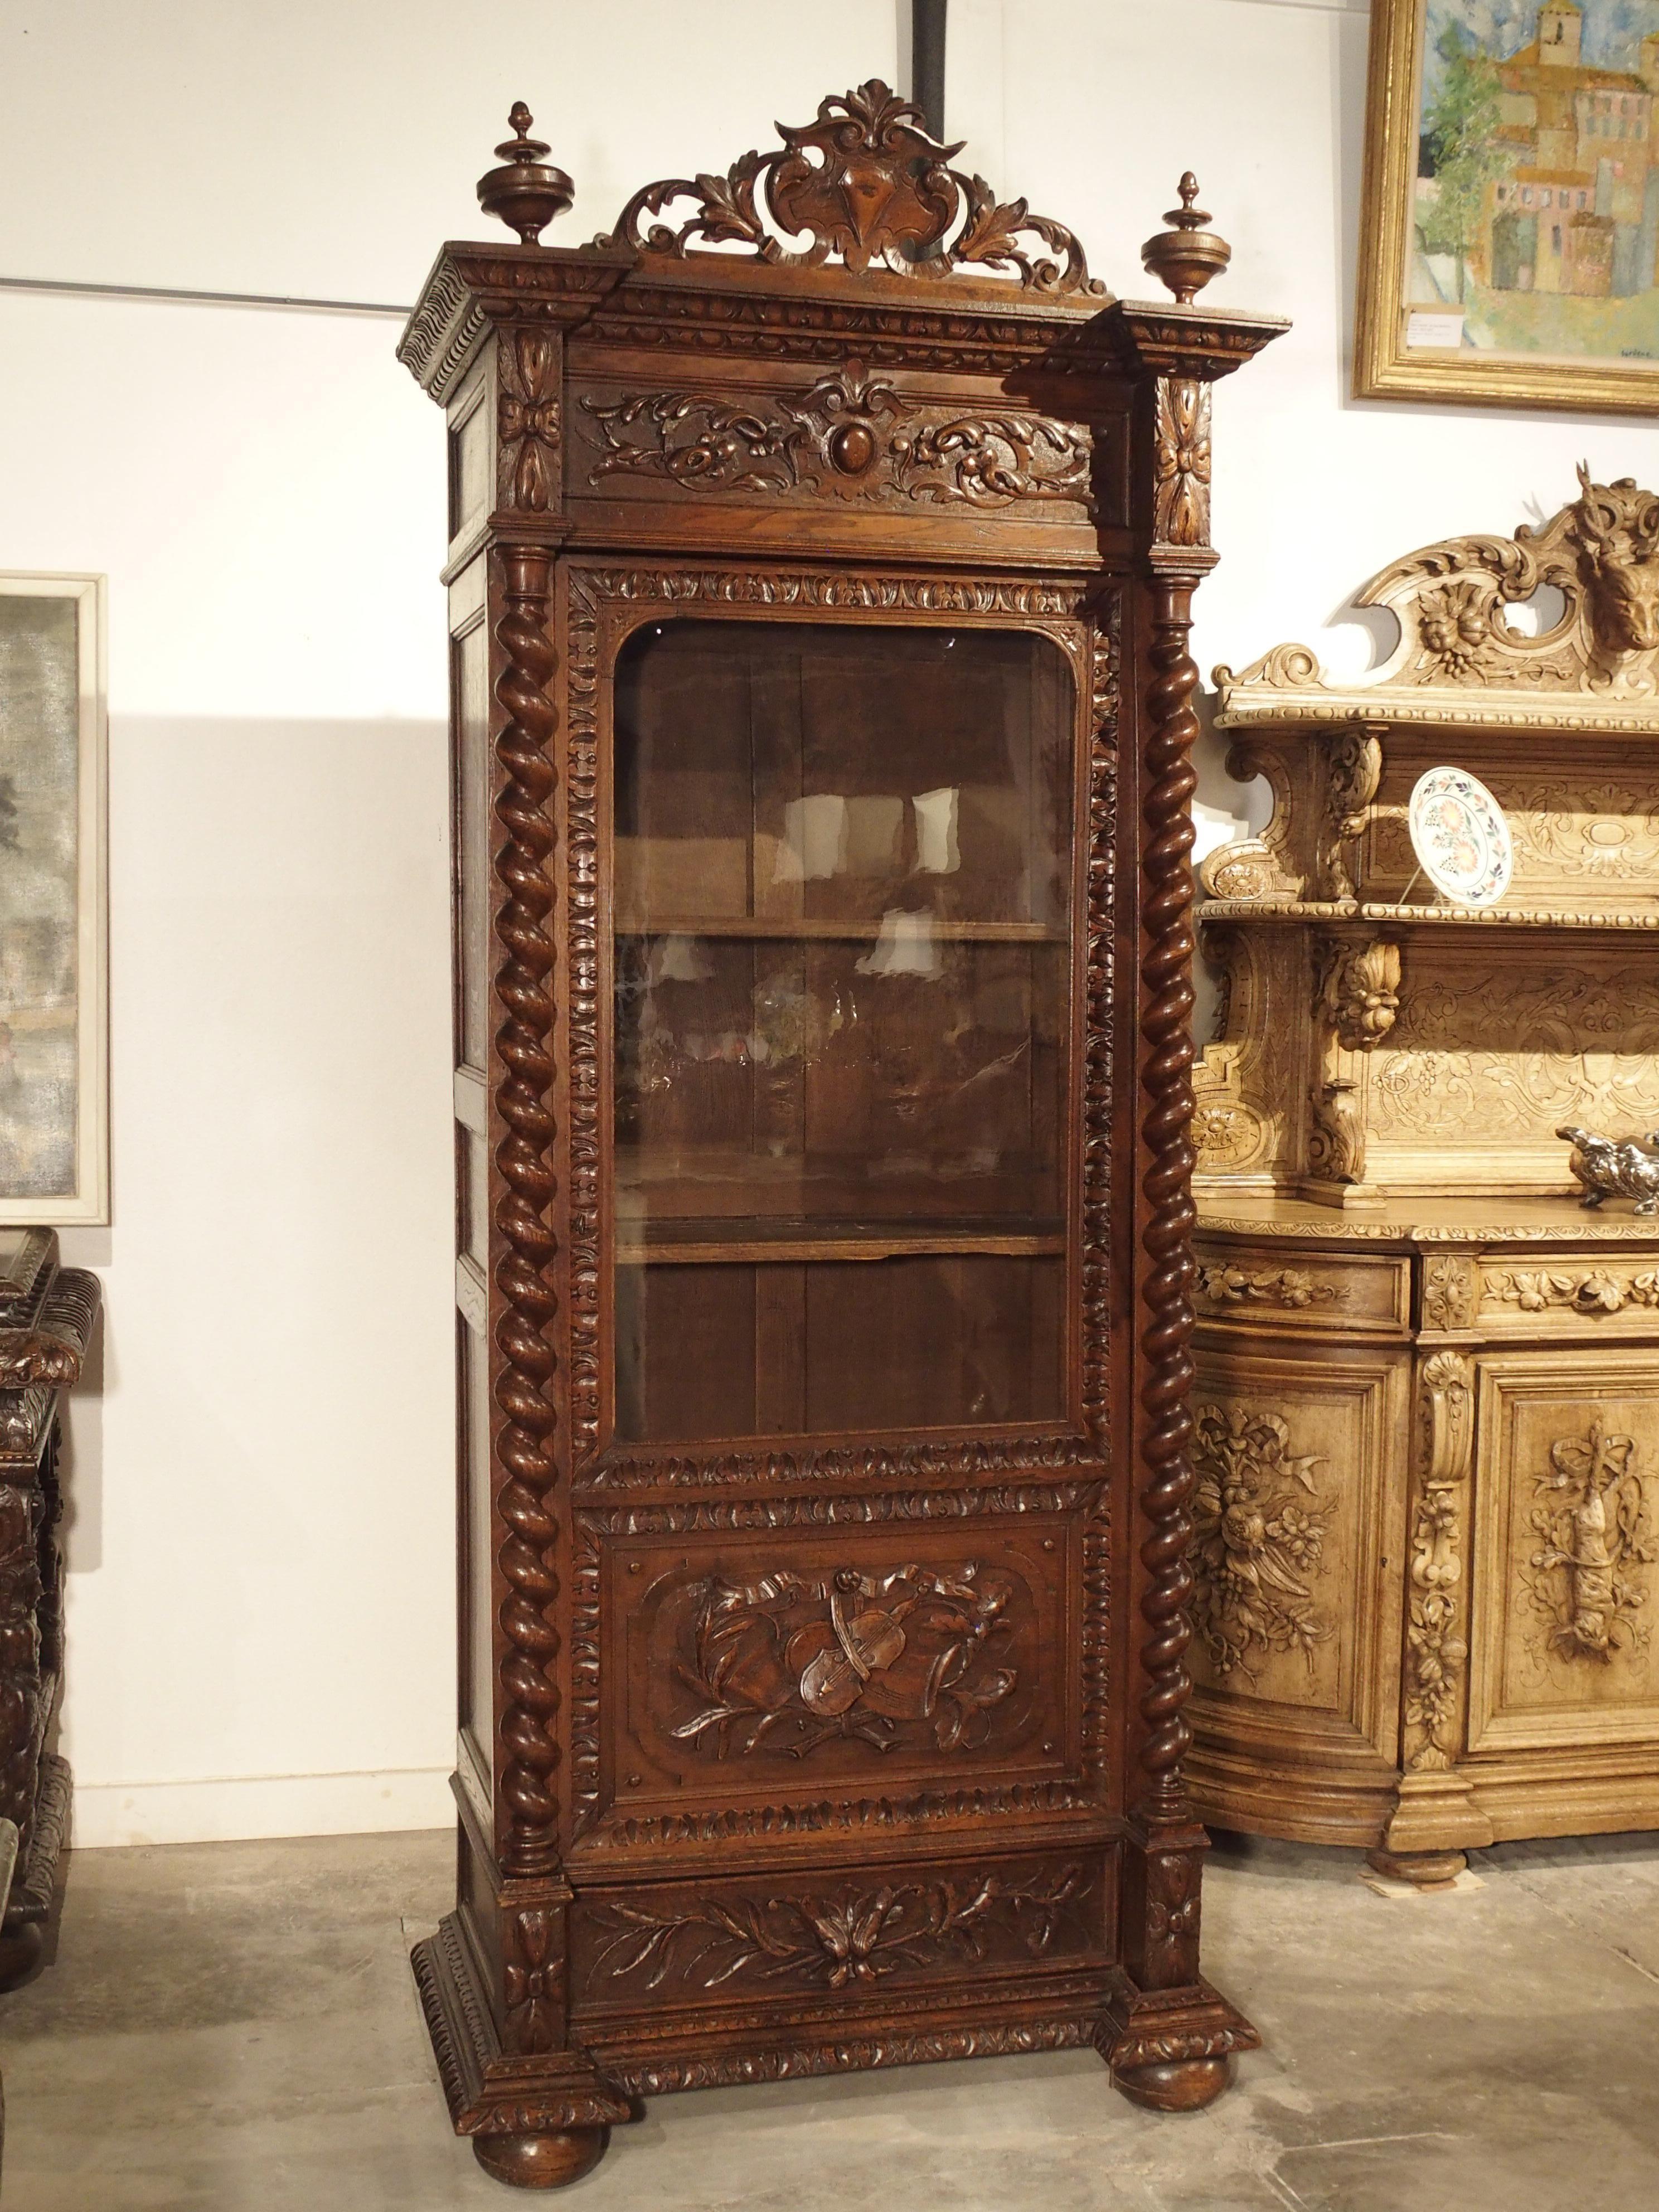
{"x": 1441, "y": 331}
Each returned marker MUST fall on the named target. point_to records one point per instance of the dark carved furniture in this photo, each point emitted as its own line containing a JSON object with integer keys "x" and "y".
{"x": 46, "y": 1318}
{"x": 822, "y": 718}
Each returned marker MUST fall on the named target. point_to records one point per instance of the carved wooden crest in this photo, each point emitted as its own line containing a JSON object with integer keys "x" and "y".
{"x": 866, "y": 182}
{"x": 1601, "y": 552}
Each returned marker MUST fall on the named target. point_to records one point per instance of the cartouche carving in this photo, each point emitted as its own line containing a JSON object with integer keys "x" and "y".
{"x": 1436, "y": 1646}
{"x": 849, "y": 435}
{"x": 850, "y": 1940}
{"x": 1596, "y": 1528}
{"x": 795, "y": 1661}
{"x": 864, "y": 181}
{"x": 1256, "y": 1543}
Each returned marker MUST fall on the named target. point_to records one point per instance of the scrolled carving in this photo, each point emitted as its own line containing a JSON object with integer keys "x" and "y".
{"x": 1353, "y": 771}
{"x": 849, "y": 435}
{"x": 1336, "y": 1135}
{"x": 866, "y": 182}
{"x": 1181, "y": 462}
{"x": 1435, "y": 1645}
{"x": 1256, "y": 1541}
{"x": 850, "y": 1940}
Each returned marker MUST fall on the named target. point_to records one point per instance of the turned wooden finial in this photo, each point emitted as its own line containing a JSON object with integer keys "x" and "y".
{"x": 1186, "y": 256}
{"x": 526, "y": 192}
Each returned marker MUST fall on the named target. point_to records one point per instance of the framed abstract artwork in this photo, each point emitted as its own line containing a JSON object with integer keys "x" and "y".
{"x": 1509, "y": 237}
{"x": 54, "y": 1120}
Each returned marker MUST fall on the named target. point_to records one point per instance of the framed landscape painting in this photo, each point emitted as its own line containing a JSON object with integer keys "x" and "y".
{"x": 54, "y": 1139}
{"x": 1509, "y": 237}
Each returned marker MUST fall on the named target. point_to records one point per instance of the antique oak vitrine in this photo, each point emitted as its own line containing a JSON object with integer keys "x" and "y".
{"x": 819, "y": 581}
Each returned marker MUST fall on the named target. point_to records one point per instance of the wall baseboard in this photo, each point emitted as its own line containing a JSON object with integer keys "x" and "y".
{"x": 233, "y": 1808}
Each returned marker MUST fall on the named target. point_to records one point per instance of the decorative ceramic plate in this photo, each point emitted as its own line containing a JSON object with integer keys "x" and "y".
{"x": 1460, "y": 838}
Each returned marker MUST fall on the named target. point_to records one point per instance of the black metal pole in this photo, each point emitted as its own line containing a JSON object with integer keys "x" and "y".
{"x": 927, "y": 61}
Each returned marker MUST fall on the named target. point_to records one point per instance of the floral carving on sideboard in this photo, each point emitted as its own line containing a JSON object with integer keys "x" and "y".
{"x": 1596, "y": 1529}
{"x": 1259, "y": 1535}
{"x": 912, "y": 1657}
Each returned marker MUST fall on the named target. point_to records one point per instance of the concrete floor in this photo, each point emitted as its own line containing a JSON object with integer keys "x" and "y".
{"x": 232, "y": 2029}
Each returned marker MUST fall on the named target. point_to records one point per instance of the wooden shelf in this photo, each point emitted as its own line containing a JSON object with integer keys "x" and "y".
{"x": 851, "y": 932}
{"x": 748, "y": 1241}
{"x": 1436, "y": 917}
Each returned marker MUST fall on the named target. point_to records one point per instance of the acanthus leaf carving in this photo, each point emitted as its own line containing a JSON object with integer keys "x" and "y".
{"x": 850, "y": 435}
{"x": 1180, "y": 463}
{"x": 848, "y": 1940}
{"x": 864, "y": 182}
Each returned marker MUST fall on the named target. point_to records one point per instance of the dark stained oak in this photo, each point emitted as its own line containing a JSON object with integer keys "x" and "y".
{"x": 822, "y": 725}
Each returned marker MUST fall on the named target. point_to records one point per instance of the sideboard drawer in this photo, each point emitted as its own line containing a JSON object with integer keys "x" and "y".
{"x": 1574, "y": 1295}
{"x": 1330, "y": 1292}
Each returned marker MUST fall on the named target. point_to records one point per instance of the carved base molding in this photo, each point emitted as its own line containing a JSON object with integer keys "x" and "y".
{"x": 490, "y": 2094}
{"x": 1172, "y": 2050}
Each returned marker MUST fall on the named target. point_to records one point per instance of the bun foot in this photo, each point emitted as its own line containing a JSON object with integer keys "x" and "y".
{"x": 1178, "y": 2084}
{"x": 20, "y": 1946}
{"x": 549, "y": 2161}
{"x": 1423, "y": 1869}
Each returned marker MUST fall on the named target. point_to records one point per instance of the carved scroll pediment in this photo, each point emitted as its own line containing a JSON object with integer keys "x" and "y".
{"x": 1451, "y": 601}
{"x": 865, "y": 183}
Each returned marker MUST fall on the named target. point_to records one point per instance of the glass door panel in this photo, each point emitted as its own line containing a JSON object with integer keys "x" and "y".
{"x": 842, "y": 977}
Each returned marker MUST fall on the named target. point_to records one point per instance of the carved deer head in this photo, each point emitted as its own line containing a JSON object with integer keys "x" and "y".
{"x": 1617, "y": 529}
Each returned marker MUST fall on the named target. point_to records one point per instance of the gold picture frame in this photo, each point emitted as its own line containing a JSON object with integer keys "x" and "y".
{"x": 1555, "y": 152}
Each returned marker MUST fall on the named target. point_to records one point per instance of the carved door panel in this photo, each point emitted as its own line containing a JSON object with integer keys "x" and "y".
{"x": 741, "y": 1664}
{"x": 1300, "y": 1464}
{"x": 1567, "y": 1547}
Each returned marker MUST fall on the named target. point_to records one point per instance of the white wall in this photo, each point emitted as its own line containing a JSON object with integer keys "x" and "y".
{"x": 260, "y": 1584}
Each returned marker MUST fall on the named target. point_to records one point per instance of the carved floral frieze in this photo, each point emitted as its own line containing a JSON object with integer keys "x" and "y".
{"x": 1225, "y": 1285}
{"x": 1589, "y": 1291}
{"x": 848, "y": 1940}
{"x": 1260, "y": 1528}
{"x": 849, "y": 435}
